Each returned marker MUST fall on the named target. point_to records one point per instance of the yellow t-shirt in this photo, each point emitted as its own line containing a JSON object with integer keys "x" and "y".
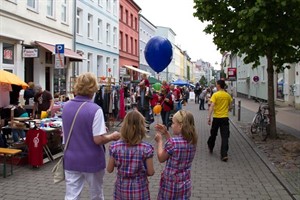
{"x": 222, "y": 101}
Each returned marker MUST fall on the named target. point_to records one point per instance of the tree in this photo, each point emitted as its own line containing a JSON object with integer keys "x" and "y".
{"x": 203, "y": 81}
{"x": 255, "y": 29}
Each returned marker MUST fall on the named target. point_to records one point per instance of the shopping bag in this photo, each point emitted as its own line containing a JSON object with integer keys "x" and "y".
{"x": 58, "y": 171}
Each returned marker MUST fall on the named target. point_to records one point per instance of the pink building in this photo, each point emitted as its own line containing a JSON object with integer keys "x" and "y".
{"x": 129, "y": 36}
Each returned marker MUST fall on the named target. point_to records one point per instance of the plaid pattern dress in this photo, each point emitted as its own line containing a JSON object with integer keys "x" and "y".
{"x": 132, "y": 182}
{"x": 175, "y": 182}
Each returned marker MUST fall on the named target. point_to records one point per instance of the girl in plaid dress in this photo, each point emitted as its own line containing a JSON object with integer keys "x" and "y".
{"x": 133, "y": 158}
{"x": 179, "y": 152}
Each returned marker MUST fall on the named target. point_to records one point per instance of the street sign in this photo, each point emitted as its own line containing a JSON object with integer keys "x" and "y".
{"x": 255, "y": 78}
{"x": 59, "y": 48}
{"x": 59, "y": 56}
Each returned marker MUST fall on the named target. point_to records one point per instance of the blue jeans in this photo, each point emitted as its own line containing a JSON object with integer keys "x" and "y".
{"x": 165, "y": 117}
{"x": 16, "y": 133}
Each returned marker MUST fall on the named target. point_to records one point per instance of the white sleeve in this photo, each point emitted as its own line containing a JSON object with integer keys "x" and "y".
{"x": 99, "y": 127}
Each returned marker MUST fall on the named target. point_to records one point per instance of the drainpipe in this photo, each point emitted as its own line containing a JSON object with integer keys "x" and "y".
{"x": 74, "y": 35}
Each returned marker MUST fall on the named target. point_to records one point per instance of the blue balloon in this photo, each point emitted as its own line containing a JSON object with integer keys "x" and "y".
{"x": 158, "y": 53}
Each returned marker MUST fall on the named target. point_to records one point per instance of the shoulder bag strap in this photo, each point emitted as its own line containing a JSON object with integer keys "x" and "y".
{"x": 70, "y": 131}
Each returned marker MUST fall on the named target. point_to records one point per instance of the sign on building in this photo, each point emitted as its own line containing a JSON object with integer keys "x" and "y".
{"x": 30, "y": 53}
{"x": 59, "y": 55}
{"x": 231, "y": 74}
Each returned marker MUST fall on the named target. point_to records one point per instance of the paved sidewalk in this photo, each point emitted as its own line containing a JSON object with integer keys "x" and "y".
{"x": 287, "y": 123}
{"x": 244, "y": 176}
{"x": 287, "y": 118}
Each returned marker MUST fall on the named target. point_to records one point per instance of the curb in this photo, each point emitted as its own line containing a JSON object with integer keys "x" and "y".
{"x": 291, "y": 191}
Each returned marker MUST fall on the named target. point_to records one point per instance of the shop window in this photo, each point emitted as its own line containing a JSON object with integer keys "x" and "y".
{"x": 280, "y": 86}
{"x": 8, "y": 53}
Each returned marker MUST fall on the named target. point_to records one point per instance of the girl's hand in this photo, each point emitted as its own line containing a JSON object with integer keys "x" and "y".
{"x": 161, "y": 128}
{"x": 115, "y": 136}
{"x": 158, "y": 137}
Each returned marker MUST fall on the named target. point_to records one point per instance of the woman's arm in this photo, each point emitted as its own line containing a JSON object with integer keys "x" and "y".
{"x": 111, "y": 165}
{"x": 150, "y": 168}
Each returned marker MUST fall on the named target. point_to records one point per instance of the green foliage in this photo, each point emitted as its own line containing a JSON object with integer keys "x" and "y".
{"x": 254, "y": 28}
{"x": 203, "y": 81}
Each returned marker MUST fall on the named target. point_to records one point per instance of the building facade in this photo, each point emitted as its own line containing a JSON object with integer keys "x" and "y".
{"x": 169, "y": 73}
{"x": 96, "y": 37}
{"x": 29, "y": 31}
{"x": 129, "y": 37}
{"x": 147, "y": 31}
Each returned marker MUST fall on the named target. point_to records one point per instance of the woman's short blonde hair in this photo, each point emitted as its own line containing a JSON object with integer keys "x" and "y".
{"x": 133, "y": 129}
{"x": 86, "y": 85}
{"x": 188, "y": 130}
{"x": 31, "y": 85}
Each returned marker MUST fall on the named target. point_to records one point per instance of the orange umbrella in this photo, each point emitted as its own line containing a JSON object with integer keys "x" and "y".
{"x": 7, "y": 77}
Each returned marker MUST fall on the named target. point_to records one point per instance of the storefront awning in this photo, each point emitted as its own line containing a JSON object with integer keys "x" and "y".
{"x": 136, "y": 69}
{"x": 68, "y": 52}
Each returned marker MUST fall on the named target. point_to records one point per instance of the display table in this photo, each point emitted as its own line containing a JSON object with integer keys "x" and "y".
{"x": 6, "y": 152}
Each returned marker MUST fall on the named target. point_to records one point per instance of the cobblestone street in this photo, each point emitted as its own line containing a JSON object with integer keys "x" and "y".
{"x": 244, "y": 176}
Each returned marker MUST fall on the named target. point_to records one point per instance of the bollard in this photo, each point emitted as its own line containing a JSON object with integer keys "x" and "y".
{"x": 233, "y": 107}
{"x": 239, "y": 111}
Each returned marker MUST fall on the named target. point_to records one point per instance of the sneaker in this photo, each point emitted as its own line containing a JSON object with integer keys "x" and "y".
{"x": 224, "y": 159}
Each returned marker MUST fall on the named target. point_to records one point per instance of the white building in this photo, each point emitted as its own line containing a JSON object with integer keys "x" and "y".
{"x": 97, "y": 37}
{"x": 170, "y": 71}
{"x": 34, "y": 27}
{"x": 147, "y": 31}
{"x": 253, "y": 83}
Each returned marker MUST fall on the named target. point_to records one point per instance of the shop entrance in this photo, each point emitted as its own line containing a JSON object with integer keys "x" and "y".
{"x": 28, "y": 70}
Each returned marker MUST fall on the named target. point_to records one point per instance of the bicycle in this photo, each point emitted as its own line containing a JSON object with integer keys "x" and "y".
{"x": 261, "y": 123}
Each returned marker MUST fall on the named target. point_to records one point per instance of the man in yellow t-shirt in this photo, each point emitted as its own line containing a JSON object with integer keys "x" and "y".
{"x": 220, "y": 106}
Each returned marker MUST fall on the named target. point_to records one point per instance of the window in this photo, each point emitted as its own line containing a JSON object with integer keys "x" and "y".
{"x": 131, "y": 45}
{"x": 108, "y": 34}
{"x": 136, "y": 47}
{"x": 89, "y": 62}
{"x": 115, "y": 7}
{"x": 99, "y": 30}
{"x": 115, "y": 37}
{"x": 99, "y": 65}
{"x": 136, "y": 24}
{"x": 32, "y": 4}
{"x": 131, "y": 20}
{"x": 50, "y": 8}
{"x": 121, "y": 13}
{"x": 126, "y": 43}
{"x": 64, "y": 11}
{"x": 100, "y": 3}
{"x": 126, "y": 16}
{"x": 8, "y": 53}
{"x": 121, "y": 41}
{"x": 114, "y": 68}
{"x": 107, "y": 65}
{"x": 108, "y": 6}
{"x": 90, "y": 26}
{"x": 263, "y": 73}
{"x": 79, "y": 21}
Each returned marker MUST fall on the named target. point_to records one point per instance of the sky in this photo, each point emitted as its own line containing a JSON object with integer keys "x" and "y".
{"x": 178, "y": 15}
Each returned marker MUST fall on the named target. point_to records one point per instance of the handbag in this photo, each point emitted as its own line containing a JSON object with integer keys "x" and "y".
{"x": 58, "y": 170}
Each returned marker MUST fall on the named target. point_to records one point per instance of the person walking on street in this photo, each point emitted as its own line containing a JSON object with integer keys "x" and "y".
{"x": 133, "y": 159}
{"x": 178, "y": 152}
{"x": 84, "y": 159}
{"x": 220, "y": 106}
{"x": 202, "y": 99}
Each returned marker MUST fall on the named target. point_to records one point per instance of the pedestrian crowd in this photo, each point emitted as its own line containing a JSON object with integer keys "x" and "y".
{"x": 130, "y": 155}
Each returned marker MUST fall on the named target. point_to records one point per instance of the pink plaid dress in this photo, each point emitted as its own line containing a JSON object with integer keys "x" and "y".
{"x": 175, "y": 182}
{"x": 132, "y": 182}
